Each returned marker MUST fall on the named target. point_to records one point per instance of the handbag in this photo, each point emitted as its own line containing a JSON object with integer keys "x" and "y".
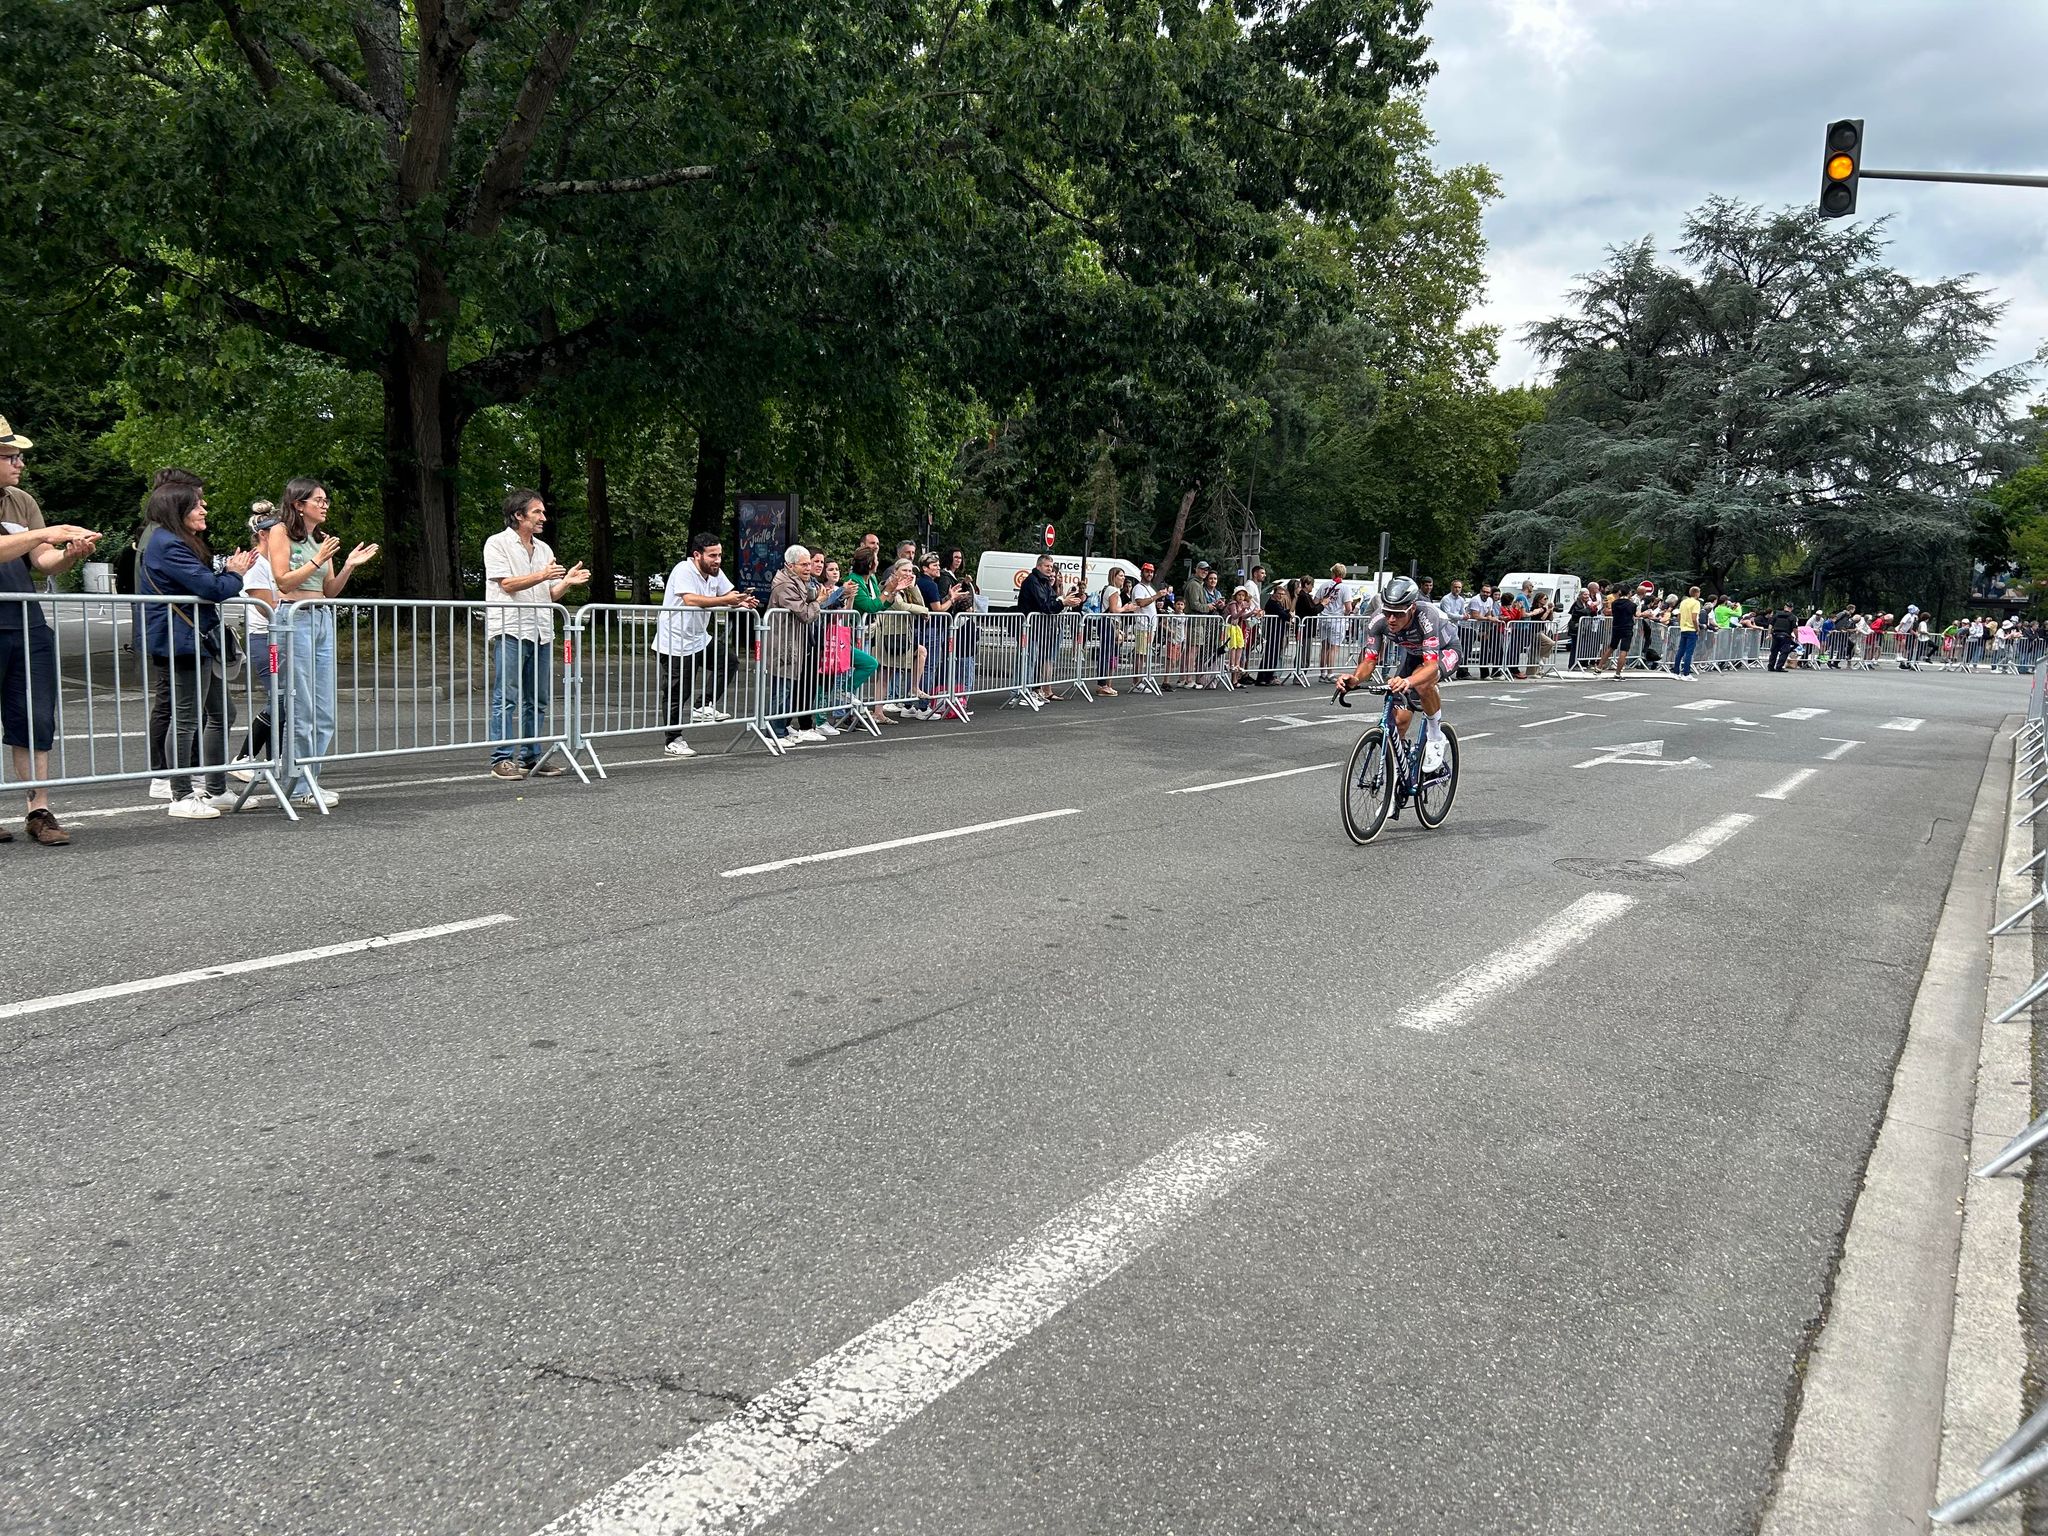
{"x": 835, "y": 651}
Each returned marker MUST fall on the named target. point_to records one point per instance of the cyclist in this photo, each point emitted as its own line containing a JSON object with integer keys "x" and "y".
{"x": 1429, "y": 641}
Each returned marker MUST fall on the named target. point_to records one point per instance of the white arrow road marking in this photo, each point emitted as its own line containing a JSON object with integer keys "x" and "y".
{"x": 1902, "y": 723}
{"x": 1508, "y": 968}
{"x": 1690, "y": 850}
{"x": 1799, "y": 714}
{"x": 741, "y": 1472}
{"x": 1843, "y": 750}
{"x": 1705, "y": 704}
{"x": 1640, "y": 754}
{"x": 1784, "y": 791}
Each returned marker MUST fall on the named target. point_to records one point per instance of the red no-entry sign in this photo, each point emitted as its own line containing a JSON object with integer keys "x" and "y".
{"x": 1048, "y": 535}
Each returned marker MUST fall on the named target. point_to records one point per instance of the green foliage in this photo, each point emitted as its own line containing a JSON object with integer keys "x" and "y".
{"x": 1783, "y": 405}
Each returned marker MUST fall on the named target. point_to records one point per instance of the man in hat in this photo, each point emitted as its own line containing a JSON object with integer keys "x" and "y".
{"x": 1142, "y": 602}
{"x": 1200, "y": 598}
{"x": 28, "y": 651}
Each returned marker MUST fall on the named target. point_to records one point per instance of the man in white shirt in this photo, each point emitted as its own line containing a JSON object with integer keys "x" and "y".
{"x": 1455, "y": 601}
{"x": 682, "y": 639}
{"x": 1142, "y": 602}
{"x": 522, "y": 583}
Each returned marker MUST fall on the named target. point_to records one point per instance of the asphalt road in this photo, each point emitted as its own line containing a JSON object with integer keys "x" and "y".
{"x": 454, "y": 1235}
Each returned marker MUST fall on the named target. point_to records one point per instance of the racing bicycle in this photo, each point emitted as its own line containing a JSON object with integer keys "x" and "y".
{"x": 1385, "y": 773}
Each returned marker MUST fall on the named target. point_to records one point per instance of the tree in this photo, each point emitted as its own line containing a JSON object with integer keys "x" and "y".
{"x": 1785, "y": 404}
{"x": 718, "y": 207}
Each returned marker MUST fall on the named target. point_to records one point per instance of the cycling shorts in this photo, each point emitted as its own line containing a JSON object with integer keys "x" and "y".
{"x": 1446, "y": 663}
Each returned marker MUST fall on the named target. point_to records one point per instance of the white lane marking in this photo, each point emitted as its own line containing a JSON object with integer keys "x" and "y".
{"x": 1507, "y": 968}
{"x": 1473, "y": 735}
{"x": 897, "y": 842}
{"x": 1784, "y": 791}
{"x": 1690, "y": 850}
{"x": 1640, "y": 754}
{"x": 1842, "y": 751}
{"x": 742, "y": 1471}
{"x": 1613, "y": 698}
{"x": 1799, "y": 714}
{"x": 1704, "y": 704}
{"x": 1577, "y": 714}
{"x": 1902, "y": 723}
{"x": 242, "y": 967}
{"x": 1257, "y": 778}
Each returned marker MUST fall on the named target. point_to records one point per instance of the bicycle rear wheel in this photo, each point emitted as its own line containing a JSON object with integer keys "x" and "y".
{"x": 1367, "y": 793}
{"x": 1433, "y": 800}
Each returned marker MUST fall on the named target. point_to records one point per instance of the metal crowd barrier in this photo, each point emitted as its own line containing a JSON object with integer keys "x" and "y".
{"x": 639, "y": 670}
{"x": 375, "y": 678}
{"x": 112, "y": 713}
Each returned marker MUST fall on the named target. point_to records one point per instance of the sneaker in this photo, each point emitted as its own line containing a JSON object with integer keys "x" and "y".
{"x": 159, "y": 789}
{"x": 505, "y": 768}
{"x": 808, "y": 737}
{"x": 893, "y": 708}
{"x": 226, "y": 800}
{"x": 195, "y": 807}
{"x": 827, "y": 728}
{"x": 44, "y": 828}
{"x": 919, "y": 713}
{"x": 317, "y": 798}
{"x": 1432, "y": 755}
{"x": 242, "y": 775}
{"x": 708, "y": 714}
{"x": 546, "y": 770}
{"x": 677, "y": 748}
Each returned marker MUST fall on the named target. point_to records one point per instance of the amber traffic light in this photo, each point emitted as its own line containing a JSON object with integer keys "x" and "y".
{"x": 1842, "y": 155}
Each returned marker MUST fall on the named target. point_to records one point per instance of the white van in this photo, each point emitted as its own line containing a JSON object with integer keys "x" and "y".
{"x": 1560, "y": 588}
{"x": 1001, "y": 572}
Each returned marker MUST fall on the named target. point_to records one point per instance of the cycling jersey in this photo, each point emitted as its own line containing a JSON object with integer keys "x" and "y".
{"x": 1430, "y": 635}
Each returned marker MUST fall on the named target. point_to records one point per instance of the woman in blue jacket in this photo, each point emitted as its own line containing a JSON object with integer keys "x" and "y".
{"x": 184, "y": 642}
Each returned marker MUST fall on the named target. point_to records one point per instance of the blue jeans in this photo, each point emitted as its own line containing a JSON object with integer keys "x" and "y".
{"x": 521, "y": 683}
{"x": 309, "y": 674}
{"x": 1688, "y": 642}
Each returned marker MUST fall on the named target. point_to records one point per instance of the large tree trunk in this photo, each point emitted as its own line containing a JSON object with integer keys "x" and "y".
{"x": 707, "y": 502}
{"x": 421, "y": 437}
{"x": 603, "y": 569}
{"x": 1180, "y": 531}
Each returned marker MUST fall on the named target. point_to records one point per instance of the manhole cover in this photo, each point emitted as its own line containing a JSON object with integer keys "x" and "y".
{"x": 1619, "y": 869}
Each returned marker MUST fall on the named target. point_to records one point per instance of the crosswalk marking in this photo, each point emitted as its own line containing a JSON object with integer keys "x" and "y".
{"x": 1841, "y": 751}
{"x": 1704, "y": 704}
{"x": 1902, "y": 723}
{"x": 1799, "y": 714}
{"x": 1614, "y": 698}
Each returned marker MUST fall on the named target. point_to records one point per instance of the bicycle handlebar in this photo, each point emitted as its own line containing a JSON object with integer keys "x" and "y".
{"x": 1343, "y": 695}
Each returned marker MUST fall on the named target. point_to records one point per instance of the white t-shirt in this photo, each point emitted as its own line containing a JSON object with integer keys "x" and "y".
{"x": 687, "y": 631}
{"x": 533, "y": 616}
{"x": 258, "y": 579}
{"x": 1145, "y": 619}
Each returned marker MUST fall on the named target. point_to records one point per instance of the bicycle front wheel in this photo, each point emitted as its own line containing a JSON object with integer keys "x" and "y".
{"x": 1367, "y": 793}
{"x": 1439, "y": 789}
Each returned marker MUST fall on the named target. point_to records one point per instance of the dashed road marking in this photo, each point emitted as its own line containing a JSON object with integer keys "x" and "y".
{"x": 1690, "y": 850}
{"x": 243, "y": 967}
{"x": 1614, "y": 698}
{"x": 1705, "y": 704}
{"x": 1508, "y": 968}
{"x": 741, "y": 1472}
{"x": 1841, "y": 751}
{"x": 1902, "y": 723}
{"x": 1784, "y": 791}
{"x": 1257, "y": 778}
{"x": 1577, "y": 714}
{"x": 1799, "y": 714}
{"x": 898, "y": 842}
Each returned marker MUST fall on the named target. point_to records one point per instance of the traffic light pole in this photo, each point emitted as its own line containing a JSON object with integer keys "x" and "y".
{"x": 1970, "y": 178}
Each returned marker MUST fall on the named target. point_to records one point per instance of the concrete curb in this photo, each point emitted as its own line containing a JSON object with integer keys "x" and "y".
{"x": 1865, "y": 1443}
{"x": 1987, "y": 1354}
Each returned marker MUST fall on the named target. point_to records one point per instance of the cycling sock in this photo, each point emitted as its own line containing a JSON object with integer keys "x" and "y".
{"x": 1435, "y": 725}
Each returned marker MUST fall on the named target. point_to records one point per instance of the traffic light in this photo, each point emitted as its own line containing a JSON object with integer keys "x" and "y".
{"x": 1842, "y": 158}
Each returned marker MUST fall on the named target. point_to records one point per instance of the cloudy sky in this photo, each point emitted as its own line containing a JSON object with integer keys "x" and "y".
{"x": 1608, "y": 119}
